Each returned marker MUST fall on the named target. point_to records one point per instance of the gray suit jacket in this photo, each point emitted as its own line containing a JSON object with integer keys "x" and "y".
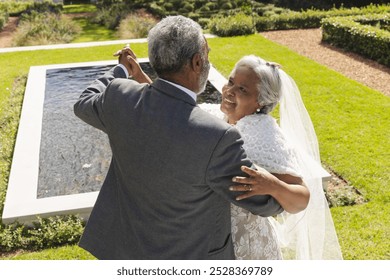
{"x": 166, "y": 193}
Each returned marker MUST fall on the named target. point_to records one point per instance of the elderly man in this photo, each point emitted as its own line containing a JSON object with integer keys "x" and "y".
{"x": 166, "y": 194}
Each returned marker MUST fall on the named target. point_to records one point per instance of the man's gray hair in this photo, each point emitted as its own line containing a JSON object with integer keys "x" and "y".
{"x": 269, "y": 83}
{"x": 173, "y": 42}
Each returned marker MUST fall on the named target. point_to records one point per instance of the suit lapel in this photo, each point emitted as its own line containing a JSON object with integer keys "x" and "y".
{"x": 172, "y": 91}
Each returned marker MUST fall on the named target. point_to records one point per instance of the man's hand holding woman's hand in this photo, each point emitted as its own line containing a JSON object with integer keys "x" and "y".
{"x": 127, "y": 58}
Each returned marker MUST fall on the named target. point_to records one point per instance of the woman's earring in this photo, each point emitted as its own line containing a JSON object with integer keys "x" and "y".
{"x": 258, "y": 110}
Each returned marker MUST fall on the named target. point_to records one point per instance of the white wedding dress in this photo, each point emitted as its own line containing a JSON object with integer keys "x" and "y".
{"x": 255, "y": 237}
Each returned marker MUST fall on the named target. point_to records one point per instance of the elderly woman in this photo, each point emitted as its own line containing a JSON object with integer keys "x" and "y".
{"x": 290, "y": 152}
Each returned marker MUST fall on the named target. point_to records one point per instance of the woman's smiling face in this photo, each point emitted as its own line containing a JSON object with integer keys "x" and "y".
{"x": 239, "y": 95}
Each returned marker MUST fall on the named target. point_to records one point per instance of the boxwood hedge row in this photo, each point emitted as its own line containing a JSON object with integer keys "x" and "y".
{"x": 367, "y": 35}
{"x": 312, "y": 18}
{"x": 3, "y": 20}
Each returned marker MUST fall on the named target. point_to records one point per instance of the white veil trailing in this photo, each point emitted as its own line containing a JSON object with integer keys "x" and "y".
{"x": 309, "y": 234}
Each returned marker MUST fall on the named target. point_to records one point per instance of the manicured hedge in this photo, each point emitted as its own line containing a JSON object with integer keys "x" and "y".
{"x": 243, "y": 24}
{"x": 311, "y": 18}
{"x": 325, "y": 4}
{"x": 360, "y": 34}
{"x": 235, "y": 25}
{"x": 14, "y": 8}
{"x": 3, "y": 20}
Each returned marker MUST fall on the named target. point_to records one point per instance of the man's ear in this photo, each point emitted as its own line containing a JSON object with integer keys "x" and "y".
{"x": 196, "y": 63}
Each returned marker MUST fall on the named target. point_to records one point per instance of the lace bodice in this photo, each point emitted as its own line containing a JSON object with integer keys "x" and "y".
{"x": 254, "y": 237}
{"x": 266, "y": 145}
{"x": 264, "y": 142}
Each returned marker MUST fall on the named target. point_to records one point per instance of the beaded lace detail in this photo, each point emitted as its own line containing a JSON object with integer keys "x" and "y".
{"x": 266, "y": 145}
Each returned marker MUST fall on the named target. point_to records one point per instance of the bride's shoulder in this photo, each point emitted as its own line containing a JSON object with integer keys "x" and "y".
{"x": 213, "y": 109}
{"x": 262, "y": 121}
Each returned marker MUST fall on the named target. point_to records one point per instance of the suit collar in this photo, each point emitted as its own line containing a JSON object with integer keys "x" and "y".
{"x": 173, "y": 91}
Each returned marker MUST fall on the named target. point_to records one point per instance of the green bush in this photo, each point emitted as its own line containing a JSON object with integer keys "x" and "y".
{"x": 357, "y": 34}
{"x": 291, "y": 20}
{"x": 325, "y": 4}
{"x": 311, "y": 18}
{"x": 186, "y": 8}
{"x": 135, "y": 26}
{"x": 14, "y": 8}
{"x": 194, "y": 16}
{"x": 158, "y": 11}
{"x": 204, "y": 22}
{"x": 168, "y": 6}
{"x": 45, "y": 7}
{"x": 3, "y": 20}
{"x": 227, "y": 6}
{"x": 235, "y": 25}
{"x": 111, "y": 16}
{"x": 212, "y": 6}
{"x": 44, "y": 28}
{"x": 45, "y": 233}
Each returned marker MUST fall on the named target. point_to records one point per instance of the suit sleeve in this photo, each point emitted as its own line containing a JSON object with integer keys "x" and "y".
{"x": 225, "y": 163}
{"x": 90, "y": 104}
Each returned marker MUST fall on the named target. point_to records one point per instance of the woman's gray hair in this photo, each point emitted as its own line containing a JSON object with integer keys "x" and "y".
{"x": 269, "y": 83}
{"x": 173, "y": 42}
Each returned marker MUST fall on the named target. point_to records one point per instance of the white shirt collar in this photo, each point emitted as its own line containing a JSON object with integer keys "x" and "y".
{"x": 186, "y": 90}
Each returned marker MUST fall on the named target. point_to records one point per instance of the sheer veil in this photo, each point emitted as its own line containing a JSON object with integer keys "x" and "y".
{"x": 309, "y": 234}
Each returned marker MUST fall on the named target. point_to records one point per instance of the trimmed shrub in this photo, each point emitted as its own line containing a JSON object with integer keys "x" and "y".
{"x": 3, "y": 20}
{"x": 111, "y": 16}
{"x": 360, "y": 34}
{"x": 43, "y": 29}
{"x": 311, "y": 18}
{"x": 48, "y": 232}
{"x": 212, "y": 6}
{"x": 45, "y": 7}
{"x": 325, "y": 4}
{"x": 157, "y": 10}
{"x": 13, "y": 8}
{"x": 168, "y": 6}
{"x": 135, "y": 26}
{"x": 227, "y": 6}
{"x": 186, "y": 8}
{"x": 235, "y": 25}
{"x": 204, "y": 22}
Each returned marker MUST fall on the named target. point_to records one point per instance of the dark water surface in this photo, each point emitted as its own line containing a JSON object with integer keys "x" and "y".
{"x": 74, "y": 157}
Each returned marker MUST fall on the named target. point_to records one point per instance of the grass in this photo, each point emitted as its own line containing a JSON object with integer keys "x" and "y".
{"x": 93, "y": 32}
{"x": 90, "y": 31}
{"x": 84, "y": 8}
{"x": 351, "y": 121}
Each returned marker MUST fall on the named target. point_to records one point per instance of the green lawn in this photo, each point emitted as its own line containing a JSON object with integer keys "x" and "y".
{"x": 351, "y": 120}
{"x": 93, "y": 32}
{"x": 90, "y": 32}
{"x": 79, "y": 8}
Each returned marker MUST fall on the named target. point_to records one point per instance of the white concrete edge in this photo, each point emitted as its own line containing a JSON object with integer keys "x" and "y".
{"x": 216, "y": 78}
